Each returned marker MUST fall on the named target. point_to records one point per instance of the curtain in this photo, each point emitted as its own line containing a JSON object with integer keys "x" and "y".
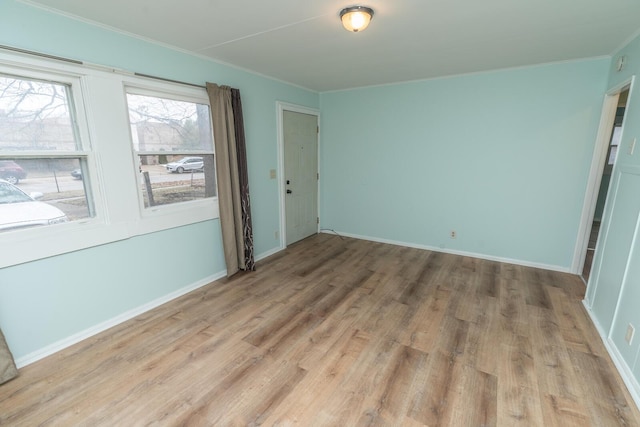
{"x": 8, "y": 369}
{"x": 231, "y": 171}
{"x": 243, "y": 177}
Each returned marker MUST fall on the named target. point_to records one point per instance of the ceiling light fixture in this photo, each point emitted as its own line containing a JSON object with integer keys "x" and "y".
{"x": 356, "y": 18}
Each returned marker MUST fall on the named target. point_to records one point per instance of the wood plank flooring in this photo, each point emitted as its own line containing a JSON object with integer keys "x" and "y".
{"x": 342, "y": 332}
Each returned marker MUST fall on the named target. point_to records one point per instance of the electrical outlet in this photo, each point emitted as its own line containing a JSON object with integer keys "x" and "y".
{"x": 453, "y": 234}
{"x": 628, "y": 337}
{"x": 276, "y": 235}
{"x": 272, "y": 174}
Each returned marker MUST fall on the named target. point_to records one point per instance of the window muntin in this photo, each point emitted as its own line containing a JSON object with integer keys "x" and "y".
{"x": 173, "y": 141}
{"x": 39, "y": 148}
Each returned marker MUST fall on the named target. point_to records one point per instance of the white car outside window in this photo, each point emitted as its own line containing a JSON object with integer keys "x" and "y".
{"x": 186, "y": 164}
{"x": 20, "y": 210}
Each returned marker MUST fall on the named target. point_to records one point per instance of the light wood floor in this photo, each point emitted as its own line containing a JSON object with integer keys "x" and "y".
{"x": 342, "y": 332}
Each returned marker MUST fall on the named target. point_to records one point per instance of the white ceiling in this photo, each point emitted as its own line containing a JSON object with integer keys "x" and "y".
{"x": 302, "y": 42}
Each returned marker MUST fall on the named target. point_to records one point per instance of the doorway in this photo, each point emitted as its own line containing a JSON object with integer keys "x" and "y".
{"x": 615, "y": 133}
{"x": 299, "y": 148}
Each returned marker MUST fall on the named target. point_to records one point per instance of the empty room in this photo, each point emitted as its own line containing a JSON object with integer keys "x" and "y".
{"x": 230, "y": 213}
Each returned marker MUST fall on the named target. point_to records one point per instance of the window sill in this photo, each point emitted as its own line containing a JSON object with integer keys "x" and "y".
{"x": 26, "y": 245}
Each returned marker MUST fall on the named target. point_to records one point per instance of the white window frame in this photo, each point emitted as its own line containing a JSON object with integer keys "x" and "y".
{"x": 101, "y": 115}
{"x": 161, "y": 216}
{"x": 18, "y": 246}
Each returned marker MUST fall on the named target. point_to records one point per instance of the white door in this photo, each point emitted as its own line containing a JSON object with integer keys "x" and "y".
{"x": 300, "y": 132}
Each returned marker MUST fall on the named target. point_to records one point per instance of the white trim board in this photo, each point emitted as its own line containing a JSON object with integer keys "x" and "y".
{"x": 57, "y": 346}
{"x": 114, "y": 321}
{"x": 123, "y": 317}
{"x": 452, "y": 251}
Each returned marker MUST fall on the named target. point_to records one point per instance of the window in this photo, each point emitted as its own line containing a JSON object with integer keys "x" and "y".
{"x": 172, "y": 140}
{"x": 43, "y": 159}
{"x": 75, "y": 173}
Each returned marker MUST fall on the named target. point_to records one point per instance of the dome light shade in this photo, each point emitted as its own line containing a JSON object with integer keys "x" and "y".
{"x": 356, "y": 18}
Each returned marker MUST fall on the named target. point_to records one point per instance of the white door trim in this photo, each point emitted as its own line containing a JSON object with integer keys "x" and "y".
{"x": 603, "y": 137}
{"x": 281, "y": 107}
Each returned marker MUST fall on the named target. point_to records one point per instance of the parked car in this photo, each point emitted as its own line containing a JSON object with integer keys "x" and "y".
{"x": 186, "y": 164}
{"x": 76, "y": 173}
{"x": 11, "y": 172}
{"x": 19, "y": 209}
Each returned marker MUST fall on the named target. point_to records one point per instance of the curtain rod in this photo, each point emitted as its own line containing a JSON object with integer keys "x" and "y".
{"x": 168, "y": 80}
{"x": 43, "y": 55}
{"x": 75, "y": 61}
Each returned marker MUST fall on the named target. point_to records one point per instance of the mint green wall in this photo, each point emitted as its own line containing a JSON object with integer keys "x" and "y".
{"x": 42, "y": 302}
{"x": 613, "y": 293}
{"x": 502, "y": 158}
{"x": 46, "y": 301}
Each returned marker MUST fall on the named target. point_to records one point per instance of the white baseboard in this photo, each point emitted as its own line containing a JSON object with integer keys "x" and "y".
{"x": 623, "y": 368}
{"x": 96, "y": 329}
{"x": 269, "y": 253}
{"x": 454, "y": 252}
{"x": 103, "y": 326}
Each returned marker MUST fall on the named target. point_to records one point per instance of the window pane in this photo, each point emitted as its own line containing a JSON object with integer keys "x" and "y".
{"x": 182, "y": 130}
{"x": 160, "y": 124}
{"x": 35, "y": 115}
{"x": 53, "y": 191}
{"x": 166, "y": 179}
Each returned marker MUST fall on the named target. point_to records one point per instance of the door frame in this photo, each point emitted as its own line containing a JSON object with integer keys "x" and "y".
{"x": 603, "y": 139}
{"x": 281, "y": 107}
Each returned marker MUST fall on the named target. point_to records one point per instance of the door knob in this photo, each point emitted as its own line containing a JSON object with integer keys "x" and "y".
{"x": 289, "y": 191}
